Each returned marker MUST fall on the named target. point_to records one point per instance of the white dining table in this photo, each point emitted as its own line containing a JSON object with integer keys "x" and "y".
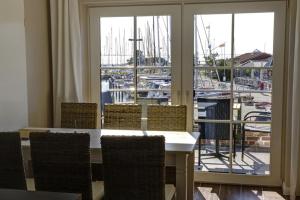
{"x": 179, "y": 148}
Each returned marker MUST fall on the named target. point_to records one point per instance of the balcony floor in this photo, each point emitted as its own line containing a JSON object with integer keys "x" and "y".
{"x": 256, "y": 161}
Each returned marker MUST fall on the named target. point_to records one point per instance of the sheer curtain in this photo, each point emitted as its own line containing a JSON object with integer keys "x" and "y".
{"x": 66, "y": 54}
{"x": 292, "y": 155}
{"x": 296, "y": 111}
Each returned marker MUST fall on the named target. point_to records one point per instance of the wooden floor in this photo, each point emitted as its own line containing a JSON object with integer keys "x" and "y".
{"x": 205, "y": 191}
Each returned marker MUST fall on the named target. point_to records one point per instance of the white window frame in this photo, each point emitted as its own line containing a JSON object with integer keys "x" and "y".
{"x": 277, "y": 92}
{"x": 95, "y": 44}
{"x": 182, "y": 66}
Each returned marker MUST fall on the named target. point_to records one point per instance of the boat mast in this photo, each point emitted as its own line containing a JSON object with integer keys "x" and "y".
{"x": 154, "y": 47}
{"x": 207, "y": 35}
{"x": 158, "y": 41}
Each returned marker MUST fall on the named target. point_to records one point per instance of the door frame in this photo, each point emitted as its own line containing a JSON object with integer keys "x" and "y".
{"x": 278, "y": 7}
{"x": 95, "y": 44}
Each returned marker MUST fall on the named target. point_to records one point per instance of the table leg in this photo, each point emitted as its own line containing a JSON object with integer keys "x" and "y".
{"x": 190, "y": 186}
{"x": 181, "y": 176}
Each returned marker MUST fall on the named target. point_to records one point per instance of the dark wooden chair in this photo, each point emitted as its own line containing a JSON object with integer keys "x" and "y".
{"x": 166, "y": 117}
{"x": 61, "y": 163}
{"x": 134, "y": 168}
{"x": 11, "y": 164}
{"x": 79, "y": 115}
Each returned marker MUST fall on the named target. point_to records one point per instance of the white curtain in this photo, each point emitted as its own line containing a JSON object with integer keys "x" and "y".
{"x": 294, "y": 99}
{"x": 66, "y": 54}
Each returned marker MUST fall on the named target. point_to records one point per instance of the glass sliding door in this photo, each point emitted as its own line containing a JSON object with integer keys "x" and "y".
{"x": 252, "y": 70}
{"x": 223, "y": 60}
{"x": 234, "y": 63}
{"x": 154, "y": 74}
{"x": 136, "y": 50}
{"x": 117, "y": 72}
{"x": 212, "y": 90}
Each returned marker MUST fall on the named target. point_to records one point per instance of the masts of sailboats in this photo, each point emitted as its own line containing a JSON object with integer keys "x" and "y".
{"x": 154, "y": 47}
{"x": 158, "y": 41}
{"x": 197, "y": 36}
{"x": 139, "y": 49}
{"x": 196, "y": 51}
{"x": 168, "y": 40}
{"x": 124, "y": 48}
{"x": 116, "y": 60}
{"x": 144, "y": 50}
{"x": 110, "y": 48}
{"x": 166, "y": 24}
{"x": 209, "y": 46}
{"x": 120, "y": 48}
{"x": 149, "y": 43}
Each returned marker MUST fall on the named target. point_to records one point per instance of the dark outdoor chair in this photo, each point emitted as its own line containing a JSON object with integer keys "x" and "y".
{"x": 61, "y": 163}
{"x": 11, "y": 164}
{"x": 255, "y": 116}
{"x": 79, "y": 115}
{"x": 134, "y": 168}
{"x": 166, "y": 117}
{"x": 214, "y": 109}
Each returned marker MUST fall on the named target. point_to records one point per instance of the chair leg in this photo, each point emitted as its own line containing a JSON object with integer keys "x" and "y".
{"x": 217, "y": 147}
{"x": 199, "y": 153}
{"x": 243, "y": 143}
{"x": 234, "y": 145}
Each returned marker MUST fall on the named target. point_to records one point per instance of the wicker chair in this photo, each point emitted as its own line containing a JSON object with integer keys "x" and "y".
{"x": 122, "y": 116}
{"x": 166, "y": 118}
{"x": 134, "y": 168}
{"x": 61, "y": 163}
{"x": 79, "y": 115}
{"x": 11, "y": 164}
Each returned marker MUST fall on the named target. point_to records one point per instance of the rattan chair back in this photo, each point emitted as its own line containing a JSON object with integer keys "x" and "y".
{"x": 79, "y": 115}
{"x": 11, "y": 164}
{"x": 61, "y": 162}
{"x": 122, "y": 116}
{"x": 134, "y": 167}
{"x": 166, "y": 117}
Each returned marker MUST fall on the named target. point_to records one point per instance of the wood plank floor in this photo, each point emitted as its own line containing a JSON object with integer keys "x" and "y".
{"x": 205, "y": 191}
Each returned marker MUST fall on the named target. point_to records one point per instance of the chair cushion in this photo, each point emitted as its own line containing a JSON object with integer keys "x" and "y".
{"x": 169, "y": 191}
{"x": 98, "y": 190}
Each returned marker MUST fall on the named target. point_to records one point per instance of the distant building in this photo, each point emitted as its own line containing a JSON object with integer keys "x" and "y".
{"x": 254, "y": 57}
{"x": 257, "y": 78}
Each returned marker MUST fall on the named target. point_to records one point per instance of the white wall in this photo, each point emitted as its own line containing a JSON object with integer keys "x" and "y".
{"x": 13, "y": 87}
{"x": 39, "y": 92}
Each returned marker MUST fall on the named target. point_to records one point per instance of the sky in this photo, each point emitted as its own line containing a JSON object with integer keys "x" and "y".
{"x": 252, "y": 31}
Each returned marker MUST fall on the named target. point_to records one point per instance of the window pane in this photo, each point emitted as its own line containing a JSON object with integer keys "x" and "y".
{"x": 153, "y": 41}
{"x": 116, "y": 45}
{"x": 117, "y": 86}
{"x": 252, "y": 146}
{"x": 253, "y": 37}
{"x": 212, "y": 107}
{"x": 207, "y": 79}
{"x": 253, "y": 79}
{"x": 213, "y": 149}
{"x": 153, "y": 78}
{"x": 210, "y": 47}
{"x": 256, "y": 103}
{"x": 154, "y": 97}
{"x": 154, "y": 59}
